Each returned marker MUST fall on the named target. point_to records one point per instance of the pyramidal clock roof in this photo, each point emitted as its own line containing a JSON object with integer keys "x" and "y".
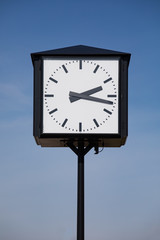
{"x": 80, "y": 50}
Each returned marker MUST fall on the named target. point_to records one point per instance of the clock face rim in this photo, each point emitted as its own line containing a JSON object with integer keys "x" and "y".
{"x": 86, "y": 134}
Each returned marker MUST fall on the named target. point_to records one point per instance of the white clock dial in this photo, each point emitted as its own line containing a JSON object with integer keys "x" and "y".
{"x": 80, "y": 95}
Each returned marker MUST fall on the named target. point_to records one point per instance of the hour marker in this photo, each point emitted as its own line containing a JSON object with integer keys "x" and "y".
{"x": 95, "y": 70}
{"x": 65, "y": 69}
{"x": 96, "y": 123}
{"x": 112, "y": 95}
{"x": 80, "y": 64}
{"x": 109, "y": 79}
{"x": 107, "y": 111}
{"x": 80, "y": 127}
{"x": 64, "y": 123}
{"x": 54, "y": 110}
{"x": 54, "y": 80}
{"x": 49, "y": 95}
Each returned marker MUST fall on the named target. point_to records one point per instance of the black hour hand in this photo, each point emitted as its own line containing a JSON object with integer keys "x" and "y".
{"x": 87, "y": 93}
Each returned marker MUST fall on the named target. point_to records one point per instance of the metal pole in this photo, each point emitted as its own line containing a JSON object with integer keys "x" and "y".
{"x": 80, "y": 193}
{"x": 81, "y": 151}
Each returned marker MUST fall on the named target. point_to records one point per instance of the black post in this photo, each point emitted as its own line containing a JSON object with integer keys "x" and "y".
{"x": 81, "y": 151}
{"x": 80, "y": 192}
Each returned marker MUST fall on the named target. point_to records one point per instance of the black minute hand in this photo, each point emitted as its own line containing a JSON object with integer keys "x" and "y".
{"x": 89, "y": 98}
{"x": 89, "y": 92}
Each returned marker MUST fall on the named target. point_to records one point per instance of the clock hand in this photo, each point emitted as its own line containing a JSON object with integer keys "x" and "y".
{"x": 89, "y": 98}
{"x": 89, "y": 92}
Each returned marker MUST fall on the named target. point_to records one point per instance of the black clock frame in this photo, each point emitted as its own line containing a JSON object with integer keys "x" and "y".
{"x": 98, "y": 140}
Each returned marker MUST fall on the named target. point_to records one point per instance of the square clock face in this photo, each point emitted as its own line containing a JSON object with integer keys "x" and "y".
{"x": 80, "y": 95}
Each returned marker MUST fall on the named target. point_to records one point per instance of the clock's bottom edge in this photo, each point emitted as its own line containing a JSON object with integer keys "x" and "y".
{"x": 100, "y": 142}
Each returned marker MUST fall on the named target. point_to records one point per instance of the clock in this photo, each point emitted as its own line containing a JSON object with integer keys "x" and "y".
{"x": 80, "y": 93}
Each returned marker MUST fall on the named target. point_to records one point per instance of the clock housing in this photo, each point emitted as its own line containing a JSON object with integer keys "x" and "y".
{"x": 80, "y": 92}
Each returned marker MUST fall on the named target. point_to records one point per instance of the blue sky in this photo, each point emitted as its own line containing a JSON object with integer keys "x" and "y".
{"x": 38, "y": 185}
